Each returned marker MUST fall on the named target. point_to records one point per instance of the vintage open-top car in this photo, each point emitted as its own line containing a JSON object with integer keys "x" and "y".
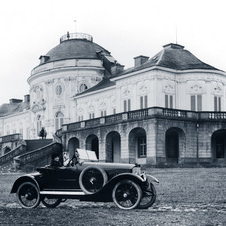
{"x": 86, "y": 179}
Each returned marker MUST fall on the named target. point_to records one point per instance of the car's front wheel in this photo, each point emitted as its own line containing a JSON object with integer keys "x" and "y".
{"x": 28, "y": 195}
{"x": 148, "y": 197}
{"x": 51, "y": 202}
{"x": 126, "y": 194}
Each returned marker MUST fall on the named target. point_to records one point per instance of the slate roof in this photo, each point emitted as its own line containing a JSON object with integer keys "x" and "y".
{"x": 13, "y": 108}
{"x": 173, "y": 56}
{"x": 75, "y": 49}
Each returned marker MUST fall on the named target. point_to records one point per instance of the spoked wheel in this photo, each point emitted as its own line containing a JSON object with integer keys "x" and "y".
{"x": 51, "y": 202}
{"x": 28, "y": 195}
{"x": 127, "y": 194}
{"x": 92, "y": 179}
{"x": 148, "y": 197}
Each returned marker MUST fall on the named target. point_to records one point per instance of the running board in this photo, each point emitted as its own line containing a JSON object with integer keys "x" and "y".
{"x": 62, "y": 193}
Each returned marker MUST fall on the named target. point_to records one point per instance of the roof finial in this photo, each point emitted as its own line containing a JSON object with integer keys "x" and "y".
{"x": 68, "y": 35}
{"x": 176, "y": 33}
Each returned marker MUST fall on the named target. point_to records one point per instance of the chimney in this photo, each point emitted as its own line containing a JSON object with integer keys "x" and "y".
{"x": 26, "y": 98}
{"x": 139, "y": 60}
{"x": 15, "y": 101}
{"x": 116, "y": 69}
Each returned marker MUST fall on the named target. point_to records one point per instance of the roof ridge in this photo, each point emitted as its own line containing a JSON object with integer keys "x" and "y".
{"x": 160, "y": 58}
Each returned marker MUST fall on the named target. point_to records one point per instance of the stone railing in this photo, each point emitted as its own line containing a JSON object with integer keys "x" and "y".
{"x": 215, "y": 115}
{"x": 69, "y": 36}
{"x": 144, "y": 114}
{"x": 10, "y": 155}
{"x": 11, "y": 137}
{"x": 36, "y": 154}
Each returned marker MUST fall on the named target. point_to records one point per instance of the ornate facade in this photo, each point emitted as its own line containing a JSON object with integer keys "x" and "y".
{"x": 151, "y": 113}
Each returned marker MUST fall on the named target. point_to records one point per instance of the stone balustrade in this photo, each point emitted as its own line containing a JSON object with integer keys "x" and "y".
{"x": 144, "y": 114}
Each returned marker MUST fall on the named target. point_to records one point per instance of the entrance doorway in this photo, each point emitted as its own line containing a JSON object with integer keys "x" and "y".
{"x": 219, "y": 145}
{"x": 113, "y": 147}
{"x": 72, "y": 145}
{"x": 92, "y": 143}
{"x": 172, "y": 146}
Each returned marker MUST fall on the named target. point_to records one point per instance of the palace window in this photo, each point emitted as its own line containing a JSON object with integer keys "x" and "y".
{"x": 127, "y": 105}
{"x": 39, "y": 124}
{"x": 103, "y": 113}
{"x": 114, "y": 111}
{"x": 59, "y": 120}
{"x": 143, "y": 102}
{"x": 196, "y": 102}
{"x": 80, "y": 118}
{"x": 217, "y": 103}
{"x": 21, "y": 131}
{"x": 91, "y": 115}
{"x": 28, "y": 133}
{"x": 59, "y": 90}
{"x": 168, "y": 101}
{"x": 142, "y": 150}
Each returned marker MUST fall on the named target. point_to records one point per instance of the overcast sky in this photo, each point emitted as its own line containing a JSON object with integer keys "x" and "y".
{"x": 126, "y": 28}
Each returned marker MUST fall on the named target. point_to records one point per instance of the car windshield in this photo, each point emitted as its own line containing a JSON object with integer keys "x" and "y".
{"x": 81, "y": 155}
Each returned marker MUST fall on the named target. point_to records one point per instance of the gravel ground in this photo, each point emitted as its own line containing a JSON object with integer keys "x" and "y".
{"x": 191, "y": 196}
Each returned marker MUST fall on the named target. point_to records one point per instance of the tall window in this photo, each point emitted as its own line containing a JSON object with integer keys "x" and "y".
{"x": 143, "y": 102}
{"x": 28, "y": 133}
{"x": 39, "y": 124}
{"x": 21, "y": 131}
{"x": 142, "y": 150}
{"x": 217, "y": 103}
{"x": 127, "y": 105}
{"x": 196, "y": 102}
{"x": 80, "y": 118}
{"x": 113, "y": 110}
{"x": 91, "y": 115}
{"x": 59, "y": 120}
{"x": 168, "y": 101}
{"x": 103, "y": 113}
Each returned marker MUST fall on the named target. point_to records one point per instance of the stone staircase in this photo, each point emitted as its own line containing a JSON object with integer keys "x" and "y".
{"x": 37, "y": 158}
{"x": 31, "y": 148}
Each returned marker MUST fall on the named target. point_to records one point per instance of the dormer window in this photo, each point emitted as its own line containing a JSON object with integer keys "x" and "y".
{"x": 83, "y": 87}
{"x": 43, "y": 59}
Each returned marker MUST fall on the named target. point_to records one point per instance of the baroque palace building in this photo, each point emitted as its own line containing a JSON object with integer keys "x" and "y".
{"x": 170, "y": 108}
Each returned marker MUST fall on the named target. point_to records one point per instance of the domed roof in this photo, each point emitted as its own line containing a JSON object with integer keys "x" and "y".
{"x": 74, "y": 46}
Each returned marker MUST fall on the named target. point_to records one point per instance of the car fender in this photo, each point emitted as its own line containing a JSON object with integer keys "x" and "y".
{"x": 22, "y": 179}
{"x": 122, "y": 176}
{"x": 151, "y": 178}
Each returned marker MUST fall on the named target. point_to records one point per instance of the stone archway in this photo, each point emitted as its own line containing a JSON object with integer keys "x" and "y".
{"x": 137, "y": 145}
{"x": 73, "y": 143}
{"x": 92, "y": 143}
{"x": 174, "y": 140}
{"x": 218, "y": 145}
{"x": 113, "y": 147}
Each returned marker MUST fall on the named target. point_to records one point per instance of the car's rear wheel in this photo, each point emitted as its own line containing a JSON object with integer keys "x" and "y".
{"x": 28, "y": 195}
{"x": 92, "y": 179}
{"x": 148, "y": 197}
{"x": 51, "y": 202}
{"x": 126, "y": 194}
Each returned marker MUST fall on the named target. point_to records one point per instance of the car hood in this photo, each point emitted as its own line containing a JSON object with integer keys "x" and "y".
{"x": 106, "y": 165}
